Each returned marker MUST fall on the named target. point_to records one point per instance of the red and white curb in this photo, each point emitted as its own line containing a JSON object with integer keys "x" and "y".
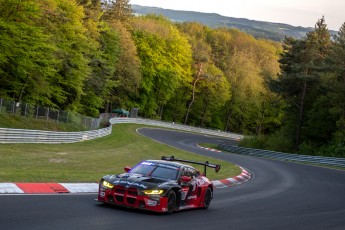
{"x": 47, "y": 188}
{"x": 209, "y": 149}
{"x": 74, "y": 188}
{"x": 233, "y": 181}
{"x": 229, "y": 182}
{"x": 79, "y": 188}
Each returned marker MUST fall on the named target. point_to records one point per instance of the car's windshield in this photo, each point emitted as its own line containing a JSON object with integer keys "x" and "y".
{"x": 156, "y": 170}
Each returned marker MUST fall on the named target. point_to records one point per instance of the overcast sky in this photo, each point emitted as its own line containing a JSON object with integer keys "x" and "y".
{"x": 294, "y": 12}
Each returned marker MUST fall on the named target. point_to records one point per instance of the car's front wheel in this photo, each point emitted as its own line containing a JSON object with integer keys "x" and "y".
{"x": 208, "y": 198}
{"x": 171, "y": 202}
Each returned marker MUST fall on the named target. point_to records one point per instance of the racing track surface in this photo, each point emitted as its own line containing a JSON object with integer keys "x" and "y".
{"x": 280, "y": 195}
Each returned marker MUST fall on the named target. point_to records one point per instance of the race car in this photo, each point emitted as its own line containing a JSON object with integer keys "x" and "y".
{"x": 159, "y": 185}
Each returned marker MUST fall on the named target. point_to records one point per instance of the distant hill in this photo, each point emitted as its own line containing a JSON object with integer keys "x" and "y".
{"x": 259, "y": 29}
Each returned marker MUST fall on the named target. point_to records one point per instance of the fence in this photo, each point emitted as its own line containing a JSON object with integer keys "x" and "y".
{"x": 49, "y": 137}
{"x": 329, "y": 161}
{"x": 45, "y": 113}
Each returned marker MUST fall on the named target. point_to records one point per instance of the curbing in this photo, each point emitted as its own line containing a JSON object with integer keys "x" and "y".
{"x": 229, "y": 182}
{"x": 245, "y": 176}
{"x": 48, "y": 188}
{"x": 209, "y": 149}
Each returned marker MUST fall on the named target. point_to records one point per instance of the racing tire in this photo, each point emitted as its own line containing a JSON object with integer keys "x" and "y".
{"x": 208, "y": 198}
{"x": 171, "y": 202}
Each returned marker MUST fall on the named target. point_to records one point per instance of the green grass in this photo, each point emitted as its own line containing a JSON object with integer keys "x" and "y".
{"x": 88, "y": 161}
{"x": 19, "y": 122}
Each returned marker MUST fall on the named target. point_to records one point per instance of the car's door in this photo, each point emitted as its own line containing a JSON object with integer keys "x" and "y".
{"x": 188, "y": 182}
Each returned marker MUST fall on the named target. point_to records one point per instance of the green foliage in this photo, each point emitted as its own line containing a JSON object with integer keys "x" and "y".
{"x": 312, "y": 85}
{"x": 89, "y": 57}
{"x": 20, "y": 122}
{"x": 26, "y": 59}
{"x": 280, "y": 141}
{"x": 117, "y": 10}
{"x": 165, "y": 56}
{"x": 330, "y": 150}
{"x": 127, "y": 72}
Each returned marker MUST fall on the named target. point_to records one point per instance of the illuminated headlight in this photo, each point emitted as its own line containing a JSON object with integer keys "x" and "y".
{"x": 107, "y": 184}
{"x": 154, "y": 192}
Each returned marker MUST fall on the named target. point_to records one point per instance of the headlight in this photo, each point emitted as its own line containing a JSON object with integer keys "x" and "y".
{"x": 107, "y": 184}
{"x": 154, "y": 192}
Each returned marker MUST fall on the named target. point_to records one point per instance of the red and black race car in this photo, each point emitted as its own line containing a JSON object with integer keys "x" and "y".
{"x": 159, "y": 185}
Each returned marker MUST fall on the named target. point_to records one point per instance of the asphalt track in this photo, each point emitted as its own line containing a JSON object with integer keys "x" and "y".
{"x": 280, "y": 195}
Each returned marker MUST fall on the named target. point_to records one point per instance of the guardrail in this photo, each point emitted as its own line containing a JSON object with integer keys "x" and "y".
{"x": 319, "y": 160}
{"x": 172, "y": 125}
{"x": 49, "y": 137}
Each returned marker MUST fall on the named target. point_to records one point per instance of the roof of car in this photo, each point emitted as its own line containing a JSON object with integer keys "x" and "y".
{"x": 174, "y": 163}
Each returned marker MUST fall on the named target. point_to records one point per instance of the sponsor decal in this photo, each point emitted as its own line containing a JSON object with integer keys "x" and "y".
{"x": 128, "y": 184}
{"x": 147, "y": 163}
{"x": 102, "y": 194}
{"x": 192, "y": 197}
{"x": 151, "y": 202}
{"x": 187, "y": 206}
{"x": 202, "y": 181}
{"x": 184, "y": 194}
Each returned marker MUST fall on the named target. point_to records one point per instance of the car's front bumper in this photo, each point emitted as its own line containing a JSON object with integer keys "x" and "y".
{"x": 131, "y": 197}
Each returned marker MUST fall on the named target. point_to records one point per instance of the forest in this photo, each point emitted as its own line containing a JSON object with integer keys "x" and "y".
{"x": 92, "y": 56}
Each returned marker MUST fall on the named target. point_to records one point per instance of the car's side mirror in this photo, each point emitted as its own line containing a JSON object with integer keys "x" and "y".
{"x": 127, "y": 168}
{"x": 185, "y": 179}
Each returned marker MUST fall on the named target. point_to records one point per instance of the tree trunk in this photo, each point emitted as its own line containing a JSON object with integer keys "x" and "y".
{"x": 203, "y": 116}
{"x": 193, "y": 93}
{"x": 229, "y": 115}
{"x": 301, "y": 116}
{"x": 160, "y": 112}
{"x": 22, "y": 89}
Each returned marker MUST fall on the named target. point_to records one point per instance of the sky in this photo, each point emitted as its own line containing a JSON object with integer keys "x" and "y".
{"x": 294, "y": 12}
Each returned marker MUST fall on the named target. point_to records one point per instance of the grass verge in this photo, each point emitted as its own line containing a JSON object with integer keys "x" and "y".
{"x": 88, "y": 161}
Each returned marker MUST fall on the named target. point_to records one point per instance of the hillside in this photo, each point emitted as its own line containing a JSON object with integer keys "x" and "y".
{"x": 259, "y": 29}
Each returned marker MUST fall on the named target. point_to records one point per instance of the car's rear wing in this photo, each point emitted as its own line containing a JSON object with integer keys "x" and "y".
{"x": 205, "y": 164}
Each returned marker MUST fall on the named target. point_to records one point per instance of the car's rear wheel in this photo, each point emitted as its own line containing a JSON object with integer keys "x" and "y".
{"x": 171, "y": 202}
{"x": 208, "y": 198}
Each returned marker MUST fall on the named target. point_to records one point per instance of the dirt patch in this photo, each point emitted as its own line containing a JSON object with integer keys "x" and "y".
{"x": 58, "y": 160}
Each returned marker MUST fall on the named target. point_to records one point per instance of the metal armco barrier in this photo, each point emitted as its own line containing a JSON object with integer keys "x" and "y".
{"x": 171, "y": 125}
{"x": 329, "y": 161}
{"x": 49, "y": 137}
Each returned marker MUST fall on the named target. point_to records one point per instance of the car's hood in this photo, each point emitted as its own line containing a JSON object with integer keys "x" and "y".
{"x": 138, "y": 181}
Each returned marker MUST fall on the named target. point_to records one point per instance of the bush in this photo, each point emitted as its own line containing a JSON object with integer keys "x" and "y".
{"x": 276, "y": 142}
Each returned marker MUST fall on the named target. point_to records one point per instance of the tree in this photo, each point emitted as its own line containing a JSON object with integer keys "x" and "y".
{"x": 201, "y": 54}
{"x": 118, "y": 10}
{"x": 64, "y": 20}
{"x": 301, "y": 64}
{"x": 212, "y": 94}
{"x": 336, "y": 85}
{"x": 165, "y": 56}
{"x": 26, "y": 57}
{"x": 127, "y": 71}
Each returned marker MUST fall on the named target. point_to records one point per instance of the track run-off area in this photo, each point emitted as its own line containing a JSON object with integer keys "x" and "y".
{"x": 280, "y": 195}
